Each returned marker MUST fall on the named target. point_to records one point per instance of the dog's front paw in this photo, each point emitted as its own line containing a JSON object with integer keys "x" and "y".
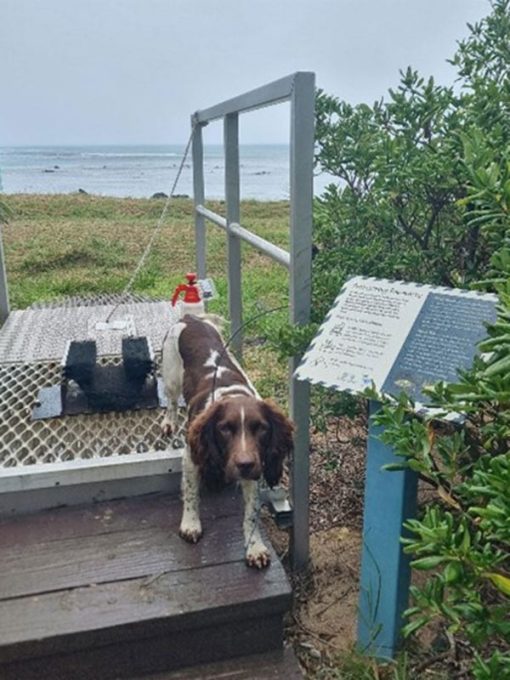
{"x": 167, "y": 427}
{"x": 258, "y": 556}
{"x": 191, "y": 532}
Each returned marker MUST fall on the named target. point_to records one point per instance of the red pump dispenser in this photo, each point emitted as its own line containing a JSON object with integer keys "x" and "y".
{"x": 192, "y": 302}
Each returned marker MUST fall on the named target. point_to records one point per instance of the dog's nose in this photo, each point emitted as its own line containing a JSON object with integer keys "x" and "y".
{"x": 245, "y": 468}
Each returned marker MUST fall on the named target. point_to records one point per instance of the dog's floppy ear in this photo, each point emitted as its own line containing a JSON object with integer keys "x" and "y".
{"x": 280, "y": 443}
{"x": 204, "y": 449}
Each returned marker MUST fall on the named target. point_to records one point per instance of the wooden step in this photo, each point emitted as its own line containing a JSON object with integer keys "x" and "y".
{"x": 278, "y": 665}
{"x": 110, "y": 591}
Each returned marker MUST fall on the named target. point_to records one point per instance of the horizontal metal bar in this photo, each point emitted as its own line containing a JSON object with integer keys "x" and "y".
{"x": 275, "y": 252}
{"x": 266, "y": 247}
{"x": 127, "y": 466}
{"x": 272, "y": 93}
{"x": 81, "y": 493}
{"x": 212, "y": 216}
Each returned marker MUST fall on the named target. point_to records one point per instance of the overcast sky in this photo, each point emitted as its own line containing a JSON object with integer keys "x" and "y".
{"x": 132, "y": 71}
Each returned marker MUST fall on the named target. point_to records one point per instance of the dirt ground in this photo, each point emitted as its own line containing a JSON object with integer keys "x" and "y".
{"x": 328, "y": 608}
{"x": 323, "y": 622}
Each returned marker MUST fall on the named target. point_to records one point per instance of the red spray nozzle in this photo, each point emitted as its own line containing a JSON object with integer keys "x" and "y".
{"x": 190, "y": 290}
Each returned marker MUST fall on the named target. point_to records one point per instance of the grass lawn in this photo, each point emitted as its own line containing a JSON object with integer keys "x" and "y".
{"x": 76, "y": 244}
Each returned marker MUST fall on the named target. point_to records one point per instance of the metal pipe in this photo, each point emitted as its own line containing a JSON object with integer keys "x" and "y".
{"x": 198, "y": 198}
{"x": 301, "y": 203}
{"x": 232, "y": 200}
{"x": 272, "y": 93}
{"x": 213, "y": 217}
{"x": 275, "y": 252}
{"x": 4, "y": 291}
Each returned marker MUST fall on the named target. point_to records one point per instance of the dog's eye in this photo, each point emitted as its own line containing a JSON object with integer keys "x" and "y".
{"x": 226, "y": 428}
{"x": 259, "y": 427}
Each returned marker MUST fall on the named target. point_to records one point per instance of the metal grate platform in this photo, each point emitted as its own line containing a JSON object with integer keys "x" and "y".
{"x": 27, "y": 442}
{"x": 32, "y": 343}
{"x": 93, "y": 300}
{"x": 34, "y": 335}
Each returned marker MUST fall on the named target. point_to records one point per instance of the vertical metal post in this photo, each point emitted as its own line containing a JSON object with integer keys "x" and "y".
{"x": 301, "y": 202}
{"x": 199, "y": 198}
{"x": 390, "y": 499}
{"x": 232, "y": 199}
{"x": 4, "y": 292}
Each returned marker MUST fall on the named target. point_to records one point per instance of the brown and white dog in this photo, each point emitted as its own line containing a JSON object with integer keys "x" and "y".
{"x": 233, "y": 435}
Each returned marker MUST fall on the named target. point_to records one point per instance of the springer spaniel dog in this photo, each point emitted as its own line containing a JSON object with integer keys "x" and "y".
{"x": 232, "y": 435}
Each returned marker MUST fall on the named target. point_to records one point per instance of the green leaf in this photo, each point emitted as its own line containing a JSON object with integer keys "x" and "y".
{"x": 501, "y": 582}
{"x": 452, "y": 572}
{"x": 395, "y": 467}
{"x": 428, "y": 562}
{"x": 500, "y": 366}
{"x": 415, "y": 625}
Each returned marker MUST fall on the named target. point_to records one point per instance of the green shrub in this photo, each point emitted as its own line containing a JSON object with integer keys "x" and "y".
{"x": 402, "y": 169}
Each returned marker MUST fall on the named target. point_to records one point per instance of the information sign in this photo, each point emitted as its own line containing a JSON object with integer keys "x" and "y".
{"x": 399, "y": 336}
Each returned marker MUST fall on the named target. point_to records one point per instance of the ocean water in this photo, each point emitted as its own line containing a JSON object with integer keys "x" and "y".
{"x": 141, "y": 171}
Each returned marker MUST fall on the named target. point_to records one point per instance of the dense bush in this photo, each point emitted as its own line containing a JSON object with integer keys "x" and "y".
{"x": 398, "y": 206}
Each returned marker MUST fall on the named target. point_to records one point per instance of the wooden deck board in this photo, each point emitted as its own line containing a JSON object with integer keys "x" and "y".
{"x": 79, "y": 585}
{"x": 278, "y": 665}
{"x": 83, "y": 561}
{"x": 106, "y": 517}
{"x": 185, "y": 595}
{"x": 145, "y": 655}
{"x": 134, "y": 541}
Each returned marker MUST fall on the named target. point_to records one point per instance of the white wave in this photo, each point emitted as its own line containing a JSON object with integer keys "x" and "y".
{"x": 113, "y": 154}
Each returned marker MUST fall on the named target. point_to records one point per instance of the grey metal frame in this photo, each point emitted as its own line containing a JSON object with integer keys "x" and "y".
{"x": 4, "y": 291}
{"x": 299, "y": 89}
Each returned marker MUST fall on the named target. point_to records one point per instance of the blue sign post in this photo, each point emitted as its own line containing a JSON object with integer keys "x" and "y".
{"x": 390, "y": 499}
{"x": 398, "y": 337}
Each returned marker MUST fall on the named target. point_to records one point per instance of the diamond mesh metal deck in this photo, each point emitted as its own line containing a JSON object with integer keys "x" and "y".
{"x": 42, "y": 334}
{"x": 32, "y": 343}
